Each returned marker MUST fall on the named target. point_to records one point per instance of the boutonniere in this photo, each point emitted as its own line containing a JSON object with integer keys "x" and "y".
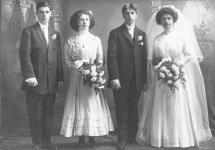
{"x": 140, "y": 37}
{"x": 140, "y": 40}
{"x": 141, "y": 43}
{"x": 53, "y": 36}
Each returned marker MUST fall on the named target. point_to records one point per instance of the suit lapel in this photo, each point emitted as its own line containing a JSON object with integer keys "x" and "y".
{"x": 135, "y": 34}
{"x": 40, "y": 34}
{"x": 51, "y": 32}
{"x": 126, "y": 34}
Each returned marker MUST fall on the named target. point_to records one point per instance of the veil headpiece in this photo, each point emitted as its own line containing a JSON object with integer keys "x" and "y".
{"x": 181, "y": 25}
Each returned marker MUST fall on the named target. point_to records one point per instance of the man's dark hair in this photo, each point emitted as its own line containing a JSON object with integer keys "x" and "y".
{"x": 43, "y": 4}
{"x": 129, "y": 6}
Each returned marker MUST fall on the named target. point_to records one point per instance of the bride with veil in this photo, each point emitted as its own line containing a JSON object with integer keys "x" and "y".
{"x": 173, "y": 118}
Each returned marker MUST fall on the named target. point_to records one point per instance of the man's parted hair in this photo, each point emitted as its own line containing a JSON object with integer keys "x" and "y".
{"x": 43, "y": 4}
{"x": 129, "y": 6}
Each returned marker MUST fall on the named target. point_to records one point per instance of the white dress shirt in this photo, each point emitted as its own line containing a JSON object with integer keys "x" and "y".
{"x": 45, "y": 30}
{"x": 130, "y": 30}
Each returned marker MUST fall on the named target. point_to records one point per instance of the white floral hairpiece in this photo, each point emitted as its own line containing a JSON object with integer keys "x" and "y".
{"x": 167, "y": 6}
{"x": 90, "y": 12}
{"x": 174, "y": 9}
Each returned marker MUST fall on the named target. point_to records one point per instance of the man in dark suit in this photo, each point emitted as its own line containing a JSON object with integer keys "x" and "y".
{"x": 127, "y": 69}
{"x": 42, "y": 69}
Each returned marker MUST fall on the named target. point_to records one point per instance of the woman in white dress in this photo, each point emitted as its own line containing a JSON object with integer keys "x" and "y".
{"x": 86, "y": 111}
{"x": 173, "y": 118}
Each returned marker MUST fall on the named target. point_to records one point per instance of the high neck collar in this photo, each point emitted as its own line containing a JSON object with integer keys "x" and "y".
{"x": 84, "y": 32}
{"x": 169, "y": 31}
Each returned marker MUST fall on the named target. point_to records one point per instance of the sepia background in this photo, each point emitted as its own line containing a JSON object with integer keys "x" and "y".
{"x": 17, "y": 14}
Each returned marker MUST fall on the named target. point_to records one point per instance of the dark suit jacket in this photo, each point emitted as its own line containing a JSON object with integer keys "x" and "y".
{"x": 41, "y": 60}
{"x": 127, "y": 56}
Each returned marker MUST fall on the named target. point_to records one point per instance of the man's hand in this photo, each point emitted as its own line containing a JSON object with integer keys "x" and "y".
{"x": 115, "y": 84}
{"x": 31, "y": 82}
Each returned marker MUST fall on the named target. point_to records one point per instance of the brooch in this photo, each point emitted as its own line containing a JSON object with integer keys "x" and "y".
{"x": 53, "y": 36}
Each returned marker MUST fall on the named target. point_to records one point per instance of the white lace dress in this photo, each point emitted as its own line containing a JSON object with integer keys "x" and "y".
{"x": 169, "y": 119}
{"x": 86, "y": 112}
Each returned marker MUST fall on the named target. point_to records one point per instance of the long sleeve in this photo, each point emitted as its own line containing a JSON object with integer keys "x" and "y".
{"x": 67, "y": 58}
{"x": 59, "y": 59}
{"x": 112, "y": 62}
{"x": 25, "y": 55}
{"x": 100, "y": 52}
{"x": 70, "y": 58}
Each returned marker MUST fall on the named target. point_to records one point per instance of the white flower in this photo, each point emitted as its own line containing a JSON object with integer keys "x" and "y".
{"x": 93, "y": 73}
{"x": 78, "y": 63}
{"x": 54, "y": 36}
{"x": 140, "y": 37}
{"x": 93, "y": 68}
{"x": 169, "y": 75}
{"x": 141, "y": 43}
{"x": 176, "y": 84}
{"x": 169, "y": 82}
{"x": 101, "y": 73}
{"x": 93, "y": 79}
{"x": 102, "y": 81}
{"x": 174, "y": 67}
{"x": 156, "y": 67}
{"x": 162, "y": 75}
{"x": 177, "y": 72}
{"x": 167, "y": 71}
{"x": 163, "y": 68}
{"x": 85, "y": 72}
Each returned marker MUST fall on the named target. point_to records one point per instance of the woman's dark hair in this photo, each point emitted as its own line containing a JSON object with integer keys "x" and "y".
{"x": 166, "y": 10}
{"x": 129, "y": 6}
{"x": 74, "y": 20}
{"x": 43, "y": 4}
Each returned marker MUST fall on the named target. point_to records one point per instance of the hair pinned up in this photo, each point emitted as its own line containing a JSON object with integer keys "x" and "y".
{"x": 166, "y": 10}
{"x": 76, "y": 16}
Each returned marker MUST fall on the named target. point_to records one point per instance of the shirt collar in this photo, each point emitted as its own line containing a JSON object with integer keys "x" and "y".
{"x": 43, "y": 26}
{"x": 130, "y": 27}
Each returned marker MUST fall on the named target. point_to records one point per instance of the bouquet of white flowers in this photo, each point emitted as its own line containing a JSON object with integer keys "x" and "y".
{"x": 170, "y": 72}
{"x": 92, "y": 74}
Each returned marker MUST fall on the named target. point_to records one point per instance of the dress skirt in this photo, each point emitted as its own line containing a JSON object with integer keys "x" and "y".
{"x": 168, "y": 119}
{"x": 86, "y": 111}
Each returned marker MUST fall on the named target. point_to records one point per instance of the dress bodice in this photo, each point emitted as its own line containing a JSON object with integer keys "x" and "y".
{"x": 169, "y": 45}
{"x": 84, "y": 47}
